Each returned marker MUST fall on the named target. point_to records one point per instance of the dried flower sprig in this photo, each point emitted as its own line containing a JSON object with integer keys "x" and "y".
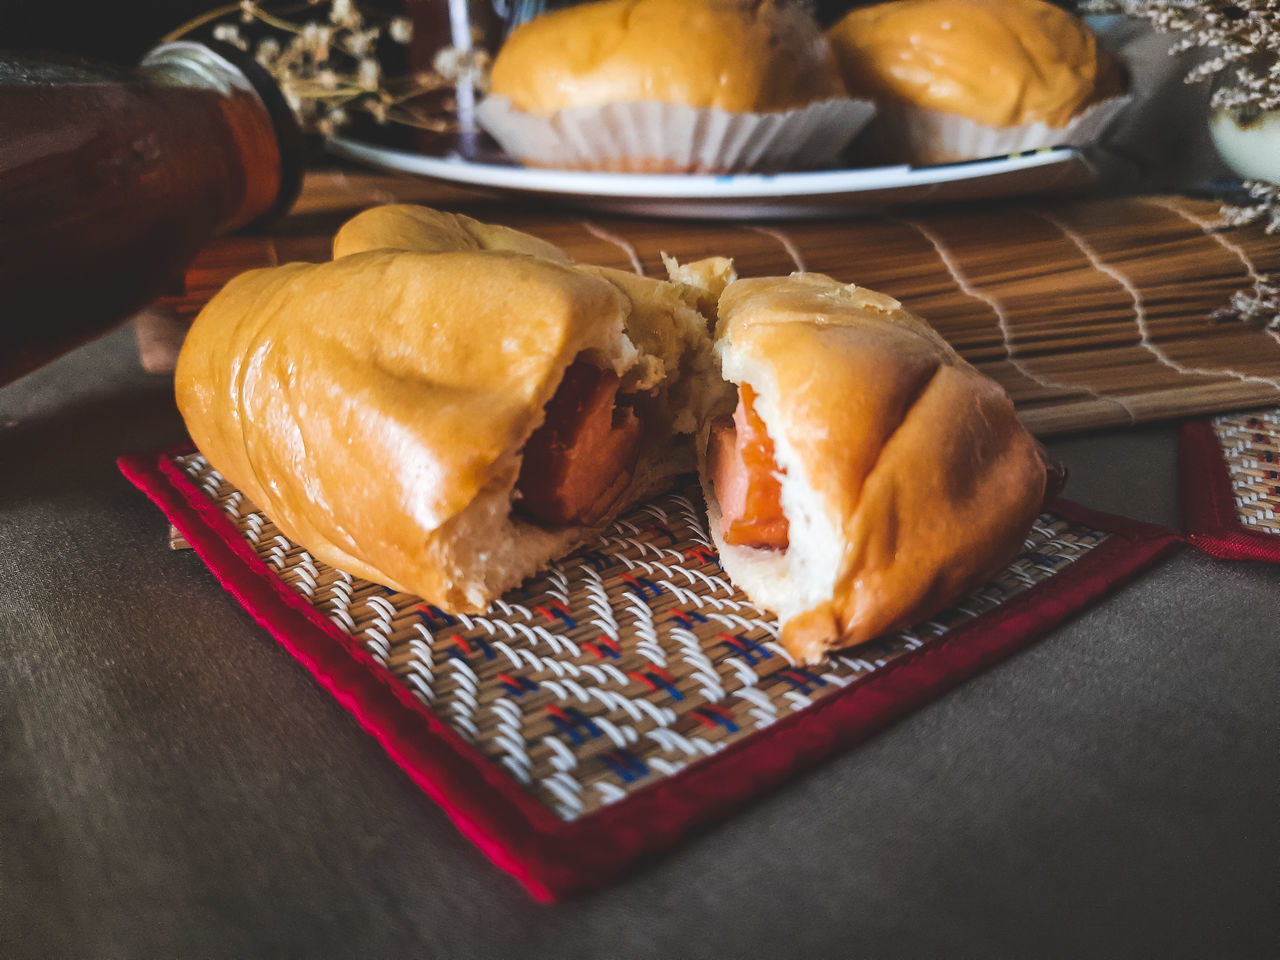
{"x": 328, "y": 68}
{"x": 1244, "y": 36}
{"x": 1261, "y": 305}
{"x": 1265, "y": 207}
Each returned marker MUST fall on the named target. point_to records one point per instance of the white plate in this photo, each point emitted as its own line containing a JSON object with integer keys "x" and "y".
{"x": 751, "y": 195}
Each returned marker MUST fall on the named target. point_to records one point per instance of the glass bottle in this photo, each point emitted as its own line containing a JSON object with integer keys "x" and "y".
{"x": 112, "y": 179}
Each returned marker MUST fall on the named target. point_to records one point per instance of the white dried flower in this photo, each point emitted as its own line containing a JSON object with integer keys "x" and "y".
{"x": 230, "y": 33}
{"x": 344, "y": 14}
{"x": 328, "y": 67}
{"x": 369, "y": 75}
{"x": 267, "y": 52}
{"x": 1265, "y": 206}
{"x": 456, "y": 64}
{"x": 360, "y": 43}
{"x": 400, "y": 29}
{"x": 1261, "y": 305}
{"x": 315, "y": 41}
{"x": 1244, "y": 35}
{"x": 448, "y": 62}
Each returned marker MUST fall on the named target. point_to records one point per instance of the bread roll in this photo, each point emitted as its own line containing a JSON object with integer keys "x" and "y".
{"x": 738, "y": 55}
{"x": 905, "y": 477}
{"x": 447, "y": 421}
{"x": 378, "y": 407}
{"x": 1001, "y": 63}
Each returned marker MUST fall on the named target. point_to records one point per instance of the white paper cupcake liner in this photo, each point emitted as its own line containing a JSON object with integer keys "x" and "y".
{"x": 924, "y": 137}
{"x": 657, "y": 137}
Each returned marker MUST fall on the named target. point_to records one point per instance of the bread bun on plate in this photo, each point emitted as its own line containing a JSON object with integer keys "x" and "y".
{"x": 957, "y": 79}
{"x": 868, "y": 476}
{"x": 670, "y": 86}
{"x": 439, "y": 412}
{"x": 738, "y": 55}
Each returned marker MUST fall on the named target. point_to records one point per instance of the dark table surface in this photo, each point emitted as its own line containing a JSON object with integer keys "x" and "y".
{"x": 174, "y": 784}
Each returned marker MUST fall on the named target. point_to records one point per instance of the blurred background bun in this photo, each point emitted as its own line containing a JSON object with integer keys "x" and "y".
{"x": 998, "y": 62}
{"x": 957, "y": 80}
{"x": 738, "y": 55}
{"x": 671, "y": 86}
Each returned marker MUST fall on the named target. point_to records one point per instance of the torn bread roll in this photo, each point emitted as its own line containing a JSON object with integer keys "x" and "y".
{"x": 446, "y": 407}
{"x": 868, "y": 476}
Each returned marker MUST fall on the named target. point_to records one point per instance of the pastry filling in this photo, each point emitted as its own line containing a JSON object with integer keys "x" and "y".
{"x": 581, "y": 459}
{"x": 744, "y": 475}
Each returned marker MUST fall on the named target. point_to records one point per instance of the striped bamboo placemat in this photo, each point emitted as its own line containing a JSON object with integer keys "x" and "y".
{"x": 1090, "y": 314}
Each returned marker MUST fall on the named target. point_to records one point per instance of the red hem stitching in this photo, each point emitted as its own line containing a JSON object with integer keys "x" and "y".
{"x": 1208, "y": 505}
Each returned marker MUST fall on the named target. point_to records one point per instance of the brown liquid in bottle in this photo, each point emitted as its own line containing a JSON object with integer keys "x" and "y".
{"x": 110, "y": 181}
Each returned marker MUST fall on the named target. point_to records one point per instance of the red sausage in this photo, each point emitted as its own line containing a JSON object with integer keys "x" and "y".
{"x": 744, "y": 476}
{"x": 582, "y": 457}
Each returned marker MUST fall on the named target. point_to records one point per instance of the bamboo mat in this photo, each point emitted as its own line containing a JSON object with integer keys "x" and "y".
{"x": 1091, "y": 314}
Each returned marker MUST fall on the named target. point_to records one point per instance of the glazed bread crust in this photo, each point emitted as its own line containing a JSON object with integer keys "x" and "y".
{"x": 909, "y": 480}
{"x": 664, "y": 322}
{"x": 367, "y": 403}
{"x": 754, "y": 56}
{"x": 376, "y": 407}
{"x": 407, "y": 226}
{"x": 1001, "y": 63}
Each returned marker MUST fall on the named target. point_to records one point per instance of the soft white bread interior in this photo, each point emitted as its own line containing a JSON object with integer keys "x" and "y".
{"x": 377, "y": 407}
{"x": 906, "y": 478}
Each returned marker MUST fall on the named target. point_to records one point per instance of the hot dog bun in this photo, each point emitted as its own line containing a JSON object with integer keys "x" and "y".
{"x": 376, "y": 407}
{"x": 385, "y": 409}
{"x": 906, "y": 478}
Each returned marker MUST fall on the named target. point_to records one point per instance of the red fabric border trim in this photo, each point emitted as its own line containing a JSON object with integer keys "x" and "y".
{"x": 1208, "y": 505}
{"x": 550, "y": 857}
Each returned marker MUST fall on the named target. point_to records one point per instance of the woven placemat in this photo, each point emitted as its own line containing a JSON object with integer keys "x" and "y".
{"x": 1230, "y": 472}
{"x": 630, "y": 691}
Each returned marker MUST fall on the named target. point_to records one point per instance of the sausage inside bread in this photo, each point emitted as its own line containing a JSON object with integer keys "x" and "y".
{"x": 867, "y": 476}
{"x": 446, "y": 406}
